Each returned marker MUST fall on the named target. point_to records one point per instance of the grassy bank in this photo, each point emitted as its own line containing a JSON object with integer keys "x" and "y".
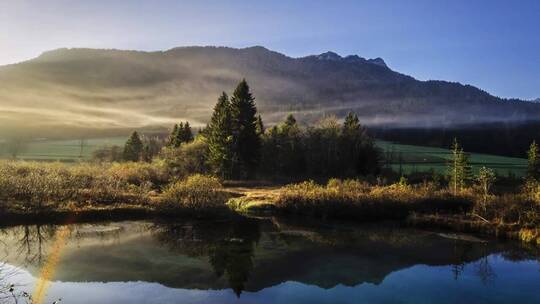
{"x": 59, "y": 192}
{"x": 55, "y": 190}
{"x": 512, "y": 215}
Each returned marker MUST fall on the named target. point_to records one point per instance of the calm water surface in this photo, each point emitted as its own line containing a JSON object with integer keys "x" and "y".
{"x": 264, "y": 261}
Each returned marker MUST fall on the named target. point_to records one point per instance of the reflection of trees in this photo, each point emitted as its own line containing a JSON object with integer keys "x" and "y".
{"x": 32, "y": 241}
{"x": 229, "y": 245}
{"x": 461, "y": 251}
{"x": 484, "y": 270}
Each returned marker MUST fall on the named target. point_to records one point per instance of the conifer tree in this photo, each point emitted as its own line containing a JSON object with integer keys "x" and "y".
{"x": 458, "y": 169}
{"x": 133, "y": 148}
{"x": 246, "y": 141}
{"x": 171, "y": 142}
{"x": 187, "y": 134}
{"x": 533, "y": 164}
{"x": 351, "y": 124}
{"x": 219, "y": 134}
{"x": 180, "y": 134}
{"x": 259, "y": 126}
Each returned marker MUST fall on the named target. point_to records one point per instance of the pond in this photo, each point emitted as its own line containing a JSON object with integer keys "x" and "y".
{"x": 248, "y": 260}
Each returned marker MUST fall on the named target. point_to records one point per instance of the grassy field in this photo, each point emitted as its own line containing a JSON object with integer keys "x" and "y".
{"x": 407, "y": 157}
{"x": 422, "y": 158}
{"x": 63, "y": 150}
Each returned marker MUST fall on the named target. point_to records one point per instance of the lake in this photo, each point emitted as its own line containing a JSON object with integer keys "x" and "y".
{"x": 249, "y": 260}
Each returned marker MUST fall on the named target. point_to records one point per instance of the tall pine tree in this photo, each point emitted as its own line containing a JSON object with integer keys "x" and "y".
{"x": 219, "y": 135}
{"x": 246, "y": 142}
{"x": 133, "y": 148}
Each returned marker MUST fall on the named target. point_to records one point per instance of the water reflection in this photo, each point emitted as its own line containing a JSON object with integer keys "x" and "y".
{"x": 252, "y": 258}
{"x": 228, "y": 245}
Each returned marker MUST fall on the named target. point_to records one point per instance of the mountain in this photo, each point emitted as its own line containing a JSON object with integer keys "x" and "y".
{"x": 93, "y": 90}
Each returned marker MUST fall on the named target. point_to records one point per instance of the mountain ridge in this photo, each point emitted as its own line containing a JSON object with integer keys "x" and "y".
{"x": 111, "y": 88}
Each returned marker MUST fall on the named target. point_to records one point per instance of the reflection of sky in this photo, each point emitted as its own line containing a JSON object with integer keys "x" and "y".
{"x": 510, "y": 282}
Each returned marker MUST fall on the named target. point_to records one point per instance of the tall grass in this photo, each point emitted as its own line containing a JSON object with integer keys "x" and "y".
{"x": 196, "y": 192}
{"x": 38, "y": 185}
{"x": 357, "y": 199}
{"x": 360, "y": 200}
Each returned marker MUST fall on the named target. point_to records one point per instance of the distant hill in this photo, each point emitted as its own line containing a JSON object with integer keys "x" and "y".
{"x": 90, "y": 90}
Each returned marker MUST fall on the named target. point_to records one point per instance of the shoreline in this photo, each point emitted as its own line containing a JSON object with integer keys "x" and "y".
{"x": 261, "y": 201}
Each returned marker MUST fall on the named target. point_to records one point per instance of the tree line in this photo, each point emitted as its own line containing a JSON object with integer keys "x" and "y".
{"x": 236, "y": 145}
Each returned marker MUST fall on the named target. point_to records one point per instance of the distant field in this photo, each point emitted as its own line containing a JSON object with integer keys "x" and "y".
{"x": 63, "y": 150}
{"x": 421, "y": 158}
{"x": 407, "y": 157}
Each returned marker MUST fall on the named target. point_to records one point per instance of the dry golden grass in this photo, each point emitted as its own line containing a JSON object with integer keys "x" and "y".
{"x": 40, "y": 185}
{"x": 360, "y": 200}
{"x": 196, "y": 192}
{"x": 357, "y": 199}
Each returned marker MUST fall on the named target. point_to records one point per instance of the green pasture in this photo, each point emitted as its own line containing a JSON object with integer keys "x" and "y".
{"x": 62, "y": 150}
{"x": 422, "y": 158}
{"x": 407, "y": 158}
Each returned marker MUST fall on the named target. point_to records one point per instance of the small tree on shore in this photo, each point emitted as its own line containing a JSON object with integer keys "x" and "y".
{"x": 486, "y": 177}
{"x": 458, "y": 169}
{"x": 133, "y": 148}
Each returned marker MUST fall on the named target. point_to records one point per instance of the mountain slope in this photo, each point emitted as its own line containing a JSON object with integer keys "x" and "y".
{"x": 90, "y": 90}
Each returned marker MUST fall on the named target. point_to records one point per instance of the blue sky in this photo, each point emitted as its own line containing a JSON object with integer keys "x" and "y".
{"x": 492, "y": 44}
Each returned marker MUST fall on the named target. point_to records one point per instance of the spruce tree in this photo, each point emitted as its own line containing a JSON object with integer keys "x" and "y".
{"x": 133, "y": 148}
{"x": 180, "y": 135}
{"x": 219, "y": 134}
{"x": 351, "y": 143}
{"x": 459, "y": 169}
{"x": 187, "y": 134}
{"x": 533, "y": 164}
{"x": 171, "y": 142}
{"x": 351, "y": 124}
{"x": 246, "y": 141}
{"x": 259, "y": 126}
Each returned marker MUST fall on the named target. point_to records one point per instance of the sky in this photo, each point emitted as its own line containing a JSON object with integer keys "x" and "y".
{"x": 492, "y": 44}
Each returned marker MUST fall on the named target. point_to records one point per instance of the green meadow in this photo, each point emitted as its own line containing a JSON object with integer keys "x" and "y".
{"x": 407, "y": 158}
{"x": 410, "y": 158}
{"x": 63, "y": 150}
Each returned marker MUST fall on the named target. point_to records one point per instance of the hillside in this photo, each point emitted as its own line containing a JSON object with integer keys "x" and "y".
{"x": 68, "y": 91}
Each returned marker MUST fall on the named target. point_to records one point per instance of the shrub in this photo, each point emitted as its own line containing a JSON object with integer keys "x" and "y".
{"x": 195, "y": 192}
{"x": 189, "y": 158}
{"x": 140, "y": 173}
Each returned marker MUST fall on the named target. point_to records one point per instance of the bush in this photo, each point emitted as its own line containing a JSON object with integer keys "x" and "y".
{"x": 189, "y": 158}
{"x": 195, "y": 192}
{"x": 140, "y": 173}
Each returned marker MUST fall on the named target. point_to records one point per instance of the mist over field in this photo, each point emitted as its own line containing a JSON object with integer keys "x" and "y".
{"x": 70, "y": 92}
